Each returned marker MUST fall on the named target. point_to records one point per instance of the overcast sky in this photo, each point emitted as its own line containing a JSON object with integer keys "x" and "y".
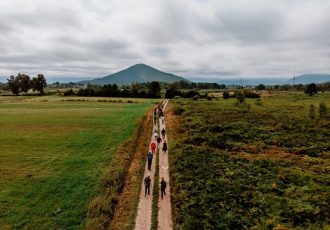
{"x": 209, "y": 38}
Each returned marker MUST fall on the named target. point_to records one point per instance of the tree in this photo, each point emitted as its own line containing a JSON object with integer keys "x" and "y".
{"x": 154, "y": 89}
{"x": 13, "y": 84}
{"x": 322, "y": 110}
{"x": 311, "y": 89}
{"x": 225, "y": 94}
{"x": 260, "y": 87}
{"x": 24, "y": 82}
{"x": 38, "y": 83}
{"x": 312, "y": 111}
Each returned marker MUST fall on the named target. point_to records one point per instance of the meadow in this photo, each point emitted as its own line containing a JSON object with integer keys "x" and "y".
{"x": 261, "y": 165}
{"x": 53, "y": 151}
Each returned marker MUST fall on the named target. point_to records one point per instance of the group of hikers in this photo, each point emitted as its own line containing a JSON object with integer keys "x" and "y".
{"x": 153, "y": 146}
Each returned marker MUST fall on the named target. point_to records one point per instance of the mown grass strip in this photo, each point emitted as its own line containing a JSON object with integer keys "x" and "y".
{"x": 155, "y": 193}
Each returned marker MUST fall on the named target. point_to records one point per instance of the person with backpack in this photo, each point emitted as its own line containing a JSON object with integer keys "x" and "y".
{"x": 158, "y": 141}
{"x": 163, "y": 187}
{"x": 155, "y": 119}
{"x": 165, "y": 146}
{"x": 153, "y": 147}
{"x": 156, "y": 134}
{"x": 163, "y": 132}
{"x": 149, "y": 158}
{"x": 147, "y": 184}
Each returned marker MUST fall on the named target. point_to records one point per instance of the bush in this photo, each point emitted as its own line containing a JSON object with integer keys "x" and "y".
{"x": 69, "y": 93}
{"x": 225, "y": 95}
{"x": 195, "y": 98}
{"x": 240, "y": 96}
{"x": 322, "y": 110}
{"x": 258, "y": 102}
{"x": 178, "y": 111}
{"x": 312, "y": 111}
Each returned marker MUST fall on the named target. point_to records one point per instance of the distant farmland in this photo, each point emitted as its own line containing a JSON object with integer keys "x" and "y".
{"x": 52, "y": 153}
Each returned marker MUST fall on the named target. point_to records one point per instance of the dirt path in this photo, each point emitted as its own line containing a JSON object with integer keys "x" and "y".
{"x": 164, "y": 213}
{"x": 143, "y": 218}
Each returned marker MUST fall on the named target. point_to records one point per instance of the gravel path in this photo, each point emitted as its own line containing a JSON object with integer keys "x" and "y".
{"x": 143, "y": 219}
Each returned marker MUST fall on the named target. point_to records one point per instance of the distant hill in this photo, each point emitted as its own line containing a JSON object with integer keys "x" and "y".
{"x": 302, "y": 79}
{"x": 140, "y": 73}
{"x": 312, "y": 78}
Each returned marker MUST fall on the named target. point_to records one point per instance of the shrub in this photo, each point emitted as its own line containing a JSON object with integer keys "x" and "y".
{"x": 312, "y": 111}
{"x": 178, "y": 111}
{"x": 240, "y": 96}
{"x": 225, "y": 95}
{"x": 69, "y": 93}
{"x": 322, "y": 110}
{"x": 195, "y": 98}
{"x": 258, "y": 102}
{"x": 311, "y": 89}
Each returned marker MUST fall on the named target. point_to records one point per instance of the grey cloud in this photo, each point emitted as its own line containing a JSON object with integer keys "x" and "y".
{"x": 189, "y": 38}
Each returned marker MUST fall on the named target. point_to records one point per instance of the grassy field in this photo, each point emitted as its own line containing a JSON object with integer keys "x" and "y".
{"x": 52, "y": 154}
{"x": 262, "y": 166}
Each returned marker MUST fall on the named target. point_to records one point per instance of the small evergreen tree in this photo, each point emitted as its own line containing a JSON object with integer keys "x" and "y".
{"x": 240, "y": 96}
{"x": 312, "y": 114}
{"x": 322, "y": 110}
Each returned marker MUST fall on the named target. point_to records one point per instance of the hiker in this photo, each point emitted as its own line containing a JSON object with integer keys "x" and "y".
{"x": 163, "y": 187}
{"x": 158, "y": 141}
{"x": 155, "y": 119}
{"x": 147, "y": 183}
{"x": 153, "y": 147}
{"x": 165, "y": 146}
{"x": 156, "y": 134}
{"x": 163, "y": 132}
{"x": 149, "y": 157}
{"x": 163, "y": 119}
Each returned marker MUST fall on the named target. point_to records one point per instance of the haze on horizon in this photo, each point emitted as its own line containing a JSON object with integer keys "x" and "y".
{"x": 190, "y": 38}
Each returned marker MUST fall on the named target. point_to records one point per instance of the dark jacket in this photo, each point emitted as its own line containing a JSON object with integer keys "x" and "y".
{"x": 147, "y": 181}
{"x": 163, "y": 184}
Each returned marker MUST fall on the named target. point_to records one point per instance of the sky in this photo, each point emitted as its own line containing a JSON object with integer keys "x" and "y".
{"x": 190, "y": 38}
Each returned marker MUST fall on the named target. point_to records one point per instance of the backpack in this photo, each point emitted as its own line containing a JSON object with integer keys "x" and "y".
{"x": 150, "y": 156}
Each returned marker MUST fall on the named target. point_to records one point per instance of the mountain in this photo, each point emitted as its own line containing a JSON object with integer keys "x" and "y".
{"x": 312, "y": 78}
{"x": 140, "y": 73}
{"x": 302, "y": 79}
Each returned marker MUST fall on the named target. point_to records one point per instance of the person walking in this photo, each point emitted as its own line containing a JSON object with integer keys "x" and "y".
{"x": 147, "y": 184}
{"x": 163, "y": 187}
{"x": 158, "y": 141}
{"x": 149, "y": 158}
{"x": 156, "y": 134}
{"x": 164, "y": 146}
{"x": 163, "y": 132}
{"x": 153, "y": 147}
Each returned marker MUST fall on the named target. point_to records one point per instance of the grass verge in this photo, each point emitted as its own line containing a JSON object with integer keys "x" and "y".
{"x": 101, "y": 209}
{"x": 155, "y": 196}
{"x": 126, "y": 211}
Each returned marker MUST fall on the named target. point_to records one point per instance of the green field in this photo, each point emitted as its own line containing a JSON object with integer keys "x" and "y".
{"x": 262, "y": 166}
{"x": 52, "y": 153}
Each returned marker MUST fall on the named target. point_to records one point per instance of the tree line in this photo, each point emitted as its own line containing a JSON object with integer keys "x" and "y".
{"x": 22, "y": 83}
{"x": 138, "y": 90}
